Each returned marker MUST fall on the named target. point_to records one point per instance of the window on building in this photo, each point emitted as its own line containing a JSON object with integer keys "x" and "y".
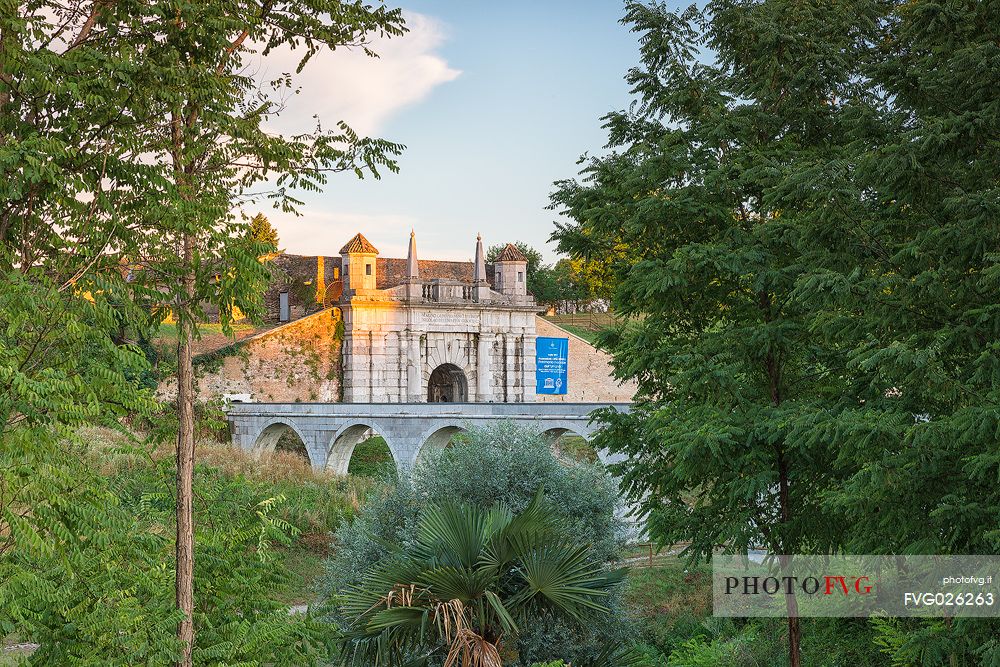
{"x": 368, "y": 269}
{"x": 336, "y": 273}
{"x": 520, "y": 276}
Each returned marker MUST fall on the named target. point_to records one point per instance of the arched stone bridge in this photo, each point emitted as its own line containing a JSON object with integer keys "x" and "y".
{"x": 330, "y": 431}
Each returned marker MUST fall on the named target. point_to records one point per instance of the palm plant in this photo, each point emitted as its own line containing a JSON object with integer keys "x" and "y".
{"x": 459, "y": 593}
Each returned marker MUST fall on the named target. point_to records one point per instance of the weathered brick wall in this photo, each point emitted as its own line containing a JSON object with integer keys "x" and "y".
{"x": 590, "y": 378}
{"x": 290, "y": 271}
{"x": 299, "y": 361}
{"x": 391, "y": 271}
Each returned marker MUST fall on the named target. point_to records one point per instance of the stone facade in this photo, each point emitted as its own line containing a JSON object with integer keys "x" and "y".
{"x": 404, "y": 331}
{"x": 432, "y": 337}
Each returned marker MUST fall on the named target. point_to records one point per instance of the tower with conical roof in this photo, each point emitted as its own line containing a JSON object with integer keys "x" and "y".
{"x": 358, "y": 264}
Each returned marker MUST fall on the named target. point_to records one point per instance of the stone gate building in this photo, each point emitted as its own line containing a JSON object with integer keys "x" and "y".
{"x": 436, "y": 339}
{"x": 361, "y": 328}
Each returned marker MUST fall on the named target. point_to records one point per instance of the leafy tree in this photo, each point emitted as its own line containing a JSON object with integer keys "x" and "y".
{"x": 130, "y": 133}
{"x": 924, "y": 338}
{"x": 262, "y": 231}
{"x": 202, "y": 126}
{"x": 546, "y": 286}
{"x": 60, "y": 369}
{"x": 727, "y": 183}
{"x": 463, "y": 588}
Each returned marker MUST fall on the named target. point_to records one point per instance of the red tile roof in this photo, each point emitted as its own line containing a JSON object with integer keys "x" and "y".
{"x": 511, "y": 254}
{"x": 359, "y": 244}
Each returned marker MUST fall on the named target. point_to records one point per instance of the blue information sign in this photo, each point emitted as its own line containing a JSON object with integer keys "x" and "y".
{"x": 551, "y": 361}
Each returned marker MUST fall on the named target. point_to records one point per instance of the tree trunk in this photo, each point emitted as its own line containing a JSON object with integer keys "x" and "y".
{"x": 773, "y": 370}
{"x": 791, "y": 604}
{"x": 794, "y": 635}
{"x": 185, "y": 470}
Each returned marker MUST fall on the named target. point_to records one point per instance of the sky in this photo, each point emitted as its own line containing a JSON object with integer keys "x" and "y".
{"x": 493, "y": 101}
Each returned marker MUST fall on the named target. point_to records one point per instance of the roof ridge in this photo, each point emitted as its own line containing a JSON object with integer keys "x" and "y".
{"x": 359, "y": 244}
{"x": 511, "y": 253}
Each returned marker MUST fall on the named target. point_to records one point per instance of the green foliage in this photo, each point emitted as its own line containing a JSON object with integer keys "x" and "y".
{"x": 59, "y": 363}
{"x": 576, "y": 281}
{"x": 811, "y": 212}
{"x": 503, "y": 464}
{"x": 263, "y": 232}
{"x": 470, "y": 579}
{"x": 372, "y": 458}
{"x": 60, "y": 367}
{"x": 671, "y": 603}
{"x": 132, "y": 134}
{"x": 92, "y": 587}
{"x": 112, "y": 602}
{"x": 732, "y": 374}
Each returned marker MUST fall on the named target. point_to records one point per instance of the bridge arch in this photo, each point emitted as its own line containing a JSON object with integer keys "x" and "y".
{"x": 559, "y": 440}
{"x": 267, "y": 437}
{"x": 437, "y": 437}
{"x": 350, "y": 435}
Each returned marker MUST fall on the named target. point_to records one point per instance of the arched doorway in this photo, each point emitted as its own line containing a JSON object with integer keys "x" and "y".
{"x": 447, "y": 385}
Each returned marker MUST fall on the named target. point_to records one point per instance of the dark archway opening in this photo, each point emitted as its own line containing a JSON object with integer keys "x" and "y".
{"x": 279, "y": 437}
{"x": 443, "y": 438}
{"x": 447, "y": 385}
{"x": 289, "y": 441}
{"x": 360, "y": 450}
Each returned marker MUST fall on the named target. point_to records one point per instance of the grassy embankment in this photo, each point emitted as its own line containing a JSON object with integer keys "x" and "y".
{"x": 315, "y": 503}
{"x": 585, "y": 325}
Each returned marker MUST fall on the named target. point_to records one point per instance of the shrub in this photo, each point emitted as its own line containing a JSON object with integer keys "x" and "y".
{"x": 112, "y": 602}
{"x": 505, "y": 464}
{"x": 473, "y": 576}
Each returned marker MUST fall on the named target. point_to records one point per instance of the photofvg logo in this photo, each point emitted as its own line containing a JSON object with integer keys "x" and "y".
{"x": 855, "y": 586}
{"x": 828, "y": 585}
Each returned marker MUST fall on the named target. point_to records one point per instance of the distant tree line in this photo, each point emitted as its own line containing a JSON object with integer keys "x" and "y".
{"x": 569, "y": 285}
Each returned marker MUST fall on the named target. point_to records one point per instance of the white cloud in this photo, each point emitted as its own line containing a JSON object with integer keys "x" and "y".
{"x": 318, "y": 232}
{"x": 323, "y": 232}
{"x": 358, "y": 89}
